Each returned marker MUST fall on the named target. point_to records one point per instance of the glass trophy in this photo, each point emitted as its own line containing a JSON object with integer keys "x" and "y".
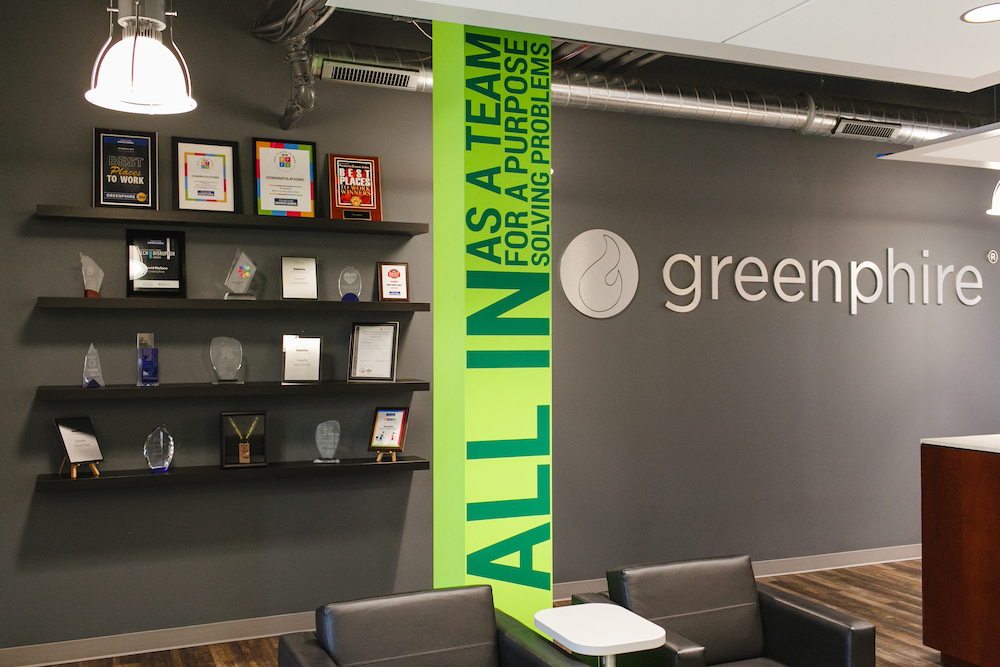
{"x": 227, "y": 359}
{"x": 350, "y": 284}
{"x": 327, "y": 439}
{"x": 147, "y": 359}
{"x": 92, "y": 375}
{"x": 93, "y": 277}
{"x": 159, "y": 449}
{"x": 240, "y": 276}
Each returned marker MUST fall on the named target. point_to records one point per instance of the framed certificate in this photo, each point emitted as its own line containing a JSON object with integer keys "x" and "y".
{"x": 298, "y": 278}
{"x": 389, "y": 431}
{"x": 206, "y": 175}
{"x": 79, "y": 439}
{"x": 302, "y": 356}
{"x": 244, "y": 439}
{"x": 285, "y": 177}
{"x": 155, "y": 263}
{"x": 373, "y": 352}
{"x": 393, "y": 281}
{"x": 355, "y": 188}
{"x": 125, "y": 168}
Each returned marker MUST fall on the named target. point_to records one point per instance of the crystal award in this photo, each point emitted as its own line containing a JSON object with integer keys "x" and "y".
{"x": 93, "y": 276}
{"x": 147, "y": 360}
{"x": 327, "y": 439}
{"x": 240, "y": 276}
{"x": 227, "y": 359}
{"x": 159, "y": 449}
{"x": 92, "y": 375}
{"x": 350, "y": 284}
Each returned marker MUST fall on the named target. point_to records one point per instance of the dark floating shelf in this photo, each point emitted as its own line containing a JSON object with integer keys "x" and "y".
{"x": 220, "y": 304}
{"x": 227, "y": 220}
{"x": 117, "y": 479}
{"x": 205, "y": 390}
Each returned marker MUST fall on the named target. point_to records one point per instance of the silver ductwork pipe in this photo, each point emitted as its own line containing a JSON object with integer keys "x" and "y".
{"x": 805, "y": 113}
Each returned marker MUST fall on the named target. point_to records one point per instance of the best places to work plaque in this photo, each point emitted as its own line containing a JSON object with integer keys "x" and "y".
{"x": 355, "y": 188}
{"x": 124, "y": 168}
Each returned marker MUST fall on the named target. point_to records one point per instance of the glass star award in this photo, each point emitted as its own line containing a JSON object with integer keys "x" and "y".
{"x": 227, "y": 359}
{"x": 350, "y": 284}
{"x": 240, "y": 276}
{"x": 159, "y": 449}
{"x": 327, "y": 439}
{"x": 92, "y": 375}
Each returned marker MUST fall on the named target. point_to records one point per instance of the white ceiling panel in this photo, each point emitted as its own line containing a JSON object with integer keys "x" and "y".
{"x": 979, "y": 147}
{"x": 918, "y": 42}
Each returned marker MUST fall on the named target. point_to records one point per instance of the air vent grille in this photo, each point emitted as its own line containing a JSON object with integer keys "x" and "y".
{"x": 864, "y": 128}
{"x": 366, "y": 75}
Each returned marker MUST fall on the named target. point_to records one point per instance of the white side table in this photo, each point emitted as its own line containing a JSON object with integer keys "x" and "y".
{"x": 599, "y": 629}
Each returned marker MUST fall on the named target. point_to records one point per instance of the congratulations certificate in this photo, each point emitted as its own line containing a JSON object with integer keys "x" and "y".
{"x": 373, "y": 352}
{"x": 286, "y": 182}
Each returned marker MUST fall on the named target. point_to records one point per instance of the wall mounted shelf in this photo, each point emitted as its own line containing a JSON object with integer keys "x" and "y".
{"x": 116, "y": 479}
{"x": 50, "y": 302}
{"x": 207, "y": 390}
{"x": 226, "y": 220}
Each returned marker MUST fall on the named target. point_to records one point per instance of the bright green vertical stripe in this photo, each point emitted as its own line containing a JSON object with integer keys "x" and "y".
{"x": 449, "y": 306}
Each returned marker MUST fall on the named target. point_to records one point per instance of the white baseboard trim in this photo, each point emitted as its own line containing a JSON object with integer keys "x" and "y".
{"x": 96, "y": 648}
{"x": 78, "y": 650}
{"x": 773, "y": 568}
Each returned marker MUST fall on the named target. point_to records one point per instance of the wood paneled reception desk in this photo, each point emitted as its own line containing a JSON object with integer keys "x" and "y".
{"x": 960, "y": 509}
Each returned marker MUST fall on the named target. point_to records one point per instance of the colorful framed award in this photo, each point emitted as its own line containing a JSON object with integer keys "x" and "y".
{"x": 155, "y": 263}
{"x": 355, "y": 188}
{"x": 125, "y": 169}
{"x": 373, "y": 352}
{"x": 206, "y": 175}
{"x": 244, "y": 439}
{"x": 393, "y": 281}
{"x": 285, "y": 174}
{"x": 388, "y": 432}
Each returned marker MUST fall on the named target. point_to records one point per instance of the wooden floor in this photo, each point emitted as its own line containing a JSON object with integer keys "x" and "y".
{"x": 888, "y": 595}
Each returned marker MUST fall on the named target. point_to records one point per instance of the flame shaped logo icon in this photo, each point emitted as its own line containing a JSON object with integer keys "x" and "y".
{"x": 599, "y": 273}
{"x": 601, "y": 284}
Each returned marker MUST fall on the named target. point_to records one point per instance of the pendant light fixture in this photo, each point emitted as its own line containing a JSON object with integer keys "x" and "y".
{"x": 140, "y": 74}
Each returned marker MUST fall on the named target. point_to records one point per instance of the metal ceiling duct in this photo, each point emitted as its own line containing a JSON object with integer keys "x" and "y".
{"x": 601, "y": 91}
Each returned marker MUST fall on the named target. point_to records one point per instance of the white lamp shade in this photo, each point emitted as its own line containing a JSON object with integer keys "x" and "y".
{"x": 995, "y": 209}
{"x": 154, "y": 84}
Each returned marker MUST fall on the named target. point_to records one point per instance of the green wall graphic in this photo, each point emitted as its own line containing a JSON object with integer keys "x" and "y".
{"x": 492, "y": 315}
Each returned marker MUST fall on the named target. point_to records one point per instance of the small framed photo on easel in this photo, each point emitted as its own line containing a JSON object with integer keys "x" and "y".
{"x": 80, "y": 441}
{"x": 388, "y": 432}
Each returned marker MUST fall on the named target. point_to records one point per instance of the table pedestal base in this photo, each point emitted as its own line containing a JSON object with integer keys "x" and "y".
{"x": 606, "y": 661}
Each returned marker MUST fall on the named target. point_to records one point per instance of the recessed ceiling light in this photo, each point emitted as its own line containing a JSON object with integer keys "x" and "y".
{"x": 984, "y": 14}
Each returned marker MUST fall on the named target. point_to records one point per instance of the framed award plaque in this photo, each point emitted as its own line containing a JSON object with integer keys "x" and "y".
{"x": 155, "y": 263}
{"x": 302, "y": 358}
{"x": 389, "y": 431}
{"x": 286, "y": 177}
{"x": 125, "y": 168}
{"x": 244, "y": 439}
{"x": 206, "y": 175}
{"x": 355, "y": 188}
{"x": 393, "y": 281}
{"x": 373, "y": 352}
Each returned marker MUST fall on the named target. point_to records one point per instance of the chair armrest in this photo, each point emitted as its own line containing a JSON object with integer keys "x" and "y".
{"x": 520, "y": 646}
{"x": 682, "y": 652}
{"x": 587, "y": 598}
{"x": 301, "y": 649}
{"x": 802, "y": 633}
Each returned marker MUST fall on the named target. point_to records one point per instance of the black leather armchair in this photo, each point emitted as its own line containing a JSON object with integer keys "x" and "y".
{"x": 716, "y": 614}
{"x": 450, "y": 627}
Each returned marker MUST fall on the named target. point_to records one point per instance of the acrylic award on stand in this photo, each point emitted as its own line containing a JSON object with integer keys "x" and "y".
{"x": 92, "y": 375}
{"x": 93, "y": 277}
{"x": 159, "y": 449}
{"x": 147, "y": 359}
{"x": 350, "y": 284}
{"x": 240, "y": 276}
{"x": 227, "y": 360}
{"x": 327, "y": 439}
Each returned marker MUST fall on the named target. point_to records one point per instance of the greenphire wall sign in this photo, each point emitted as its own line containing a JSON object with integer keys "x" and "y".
{"x": 492, "y": 315}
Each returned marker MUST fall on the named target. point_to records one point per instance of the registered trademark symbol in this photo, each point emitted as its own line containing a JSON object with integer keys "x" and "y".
{"x": 992, "y": 256}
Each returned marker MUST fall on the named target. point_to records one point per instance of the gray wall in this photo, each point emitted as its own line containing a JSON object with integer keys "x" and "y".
{"x": 107, "y": 562}
{"x": 769, "y": 428}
